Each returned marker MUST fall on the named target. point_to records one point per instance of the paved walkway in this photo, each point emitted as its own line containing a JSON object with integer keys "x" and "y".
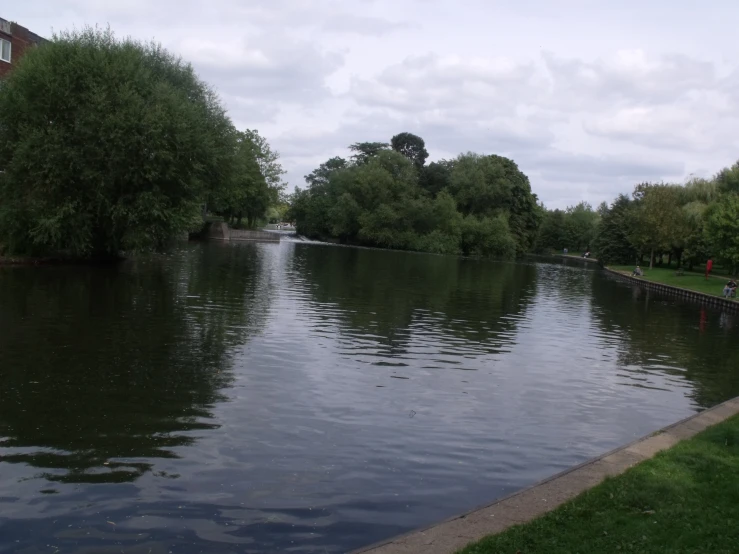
{"x": 523, "y": 506}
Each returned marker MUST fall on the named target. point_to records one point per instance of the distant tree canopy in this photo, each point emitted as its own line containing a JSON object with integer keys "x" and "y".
{"x": 253, "y": 186}
{"x": 365, "y": 151}
{"x": 687, "y": 223}
{"x": 474, "y": 205}
{"x": 574, "y": 228}
{"x": 110, "y": 145}
{"x": 412, "y": 147}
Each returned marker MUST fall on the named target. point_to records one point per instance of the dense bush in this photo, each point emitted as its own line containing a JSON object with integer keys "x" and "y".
{"x": 106, "y": 145}
{"x": 387, "y": 197}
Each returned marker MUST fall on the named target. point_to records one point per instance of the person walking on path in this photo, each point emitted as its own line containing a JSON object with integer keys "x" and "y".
{"x": 709, "y": 267}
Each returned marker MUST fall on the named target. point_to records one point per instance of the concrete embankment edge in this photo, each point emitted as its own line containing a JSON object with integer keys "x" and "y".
{"x": 705, "y": 299}
{"x": 532, "y": 502}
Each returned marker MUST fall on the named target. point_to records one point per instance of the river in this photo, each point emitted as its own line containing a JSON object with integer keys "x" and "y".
{"x": 305, "y": 398}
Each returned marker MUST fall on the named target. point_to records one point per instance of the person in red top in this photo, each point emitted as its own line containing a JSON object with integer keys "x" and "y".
{"x": 709, "y": 267}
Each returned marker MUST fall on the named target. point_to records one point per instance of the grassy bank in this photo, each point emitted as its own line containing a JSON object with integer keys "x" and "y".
{"x": 684, "y": 500}
{"x": 714, "y": 285}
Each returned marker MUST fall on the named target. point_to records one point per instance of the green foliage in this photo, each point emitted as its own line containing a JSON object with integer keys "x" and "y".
{"x": 687, "y": 222}
{"x": 727, "y": 180}
{"x": 267, "y": 160}
{"x": 365, "y": 151}
{"x": 580, "y": 227}
{"x": 657, "y": 221}
{"x": 412, "y": 147}
{"x": 695, "y": 247}
{"x": 722, "y": 230}
{"x": 319, "y": 177}
{"x": 574, "y": 229}
{"x": 487, "y": 236}
{"x": 435, "y": 177}
{"x": 106, "y": 145}
{"x": 488, "y": 186}
{"x": 551, "y": 235}
{"x": 388, "y": 198}
{"x": 246, "y": 193}
{"x": 611, "y": 243}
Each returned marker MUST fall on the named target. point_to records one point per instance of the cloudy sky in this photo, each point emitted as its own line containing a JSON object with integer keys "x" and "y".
{"x": 587, "y": 96}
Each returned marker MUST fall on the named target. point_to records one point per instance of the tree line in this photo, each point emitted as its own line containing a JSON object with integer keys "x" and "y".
{"x": 113, "y": 145}
{"x": 685, "y": 223}
{"x": 385, "y": 195}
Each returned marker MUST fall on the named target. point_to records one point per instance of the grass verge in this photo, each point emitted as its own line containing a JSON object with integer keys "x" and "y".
{"x": 714, "y": 285}
{"x": 684, "y": 500}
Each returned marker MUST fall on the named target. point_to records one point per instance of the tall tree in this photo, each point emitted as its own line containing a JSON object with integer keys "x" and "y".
{"x": 106, "y": 145}
{"x": 365, "y": 151}
{"x": 489, "y": 185}
{"x": 551, "y": 235}
{"x": 580, "y": 226}
{"x": 728, "y": 179}
{"x": 611, "y": 243}
{"x": 319, "y": 178}
{"x": 722, "y": 230}
{"x": 412, "y": 147}
{"x": 657, "y": 220}
{"x": 268, "y": 160}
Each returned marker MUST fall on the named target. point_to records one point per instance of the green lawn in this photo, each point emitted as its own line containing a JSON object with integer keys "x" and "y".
{"x": 691, "y": 280}
{"x": 684, "y": 500}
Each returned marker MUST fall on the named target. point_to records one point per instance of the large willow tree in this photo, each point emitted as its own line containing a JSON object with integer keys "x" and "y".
{"x": 106, "y": 145}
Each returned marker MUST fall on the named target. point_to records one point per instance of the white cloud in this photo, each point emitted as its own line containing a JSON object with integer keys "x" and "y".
{"x": 350, "y": 23}
{"x": 587, "y": 98}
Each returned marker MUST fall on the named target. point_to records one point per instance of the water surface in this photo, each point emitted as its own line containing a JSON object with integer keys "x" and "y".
{"x": 310, "y": 398}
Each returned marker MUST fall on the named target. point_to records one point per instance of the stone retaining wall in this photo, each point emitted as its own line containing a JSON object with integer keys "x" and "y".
{"x": 705, "y": 299}
{"x": 240, "y": 234}
{"x": 221, "y": 231}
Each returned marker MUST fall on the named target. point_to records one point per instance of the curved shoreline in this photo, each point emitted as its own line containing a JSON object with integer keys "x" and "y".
{"x": 529, "y": 503}
{"x": 451, "y": 535}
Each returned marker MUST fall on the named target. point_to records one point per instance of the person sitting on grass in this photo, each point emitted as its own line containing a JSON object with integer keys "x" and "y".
{"x": 730, "y": 289}
{"x": 637, "y": 272}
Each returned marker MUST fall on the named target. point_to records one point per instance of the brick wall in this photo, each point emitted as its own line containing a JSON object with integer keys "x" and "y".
{"x": 20, "y": 38}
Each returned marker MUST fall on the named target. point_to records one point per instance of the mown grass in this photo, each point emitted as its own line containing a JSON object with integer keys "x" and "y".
{"x": 683, "y": 501}
{"x": 714, "y": 285}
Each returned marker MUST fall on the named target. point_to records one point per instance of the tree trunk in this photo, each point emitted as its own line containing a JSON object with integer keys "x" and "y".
{"x": 651, "y": 259}
{"x": 669, "y": 259}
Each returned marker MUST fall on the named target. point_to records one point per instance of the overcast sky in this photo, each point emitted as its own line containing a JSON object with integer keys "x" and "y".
{"x": 588, "y": 97}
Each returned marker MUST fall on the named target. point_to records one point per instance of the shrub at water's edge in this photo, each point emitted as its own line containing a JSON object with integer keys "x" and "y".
{"x": 106, "y": 145}
{"x": 387, "y": 197}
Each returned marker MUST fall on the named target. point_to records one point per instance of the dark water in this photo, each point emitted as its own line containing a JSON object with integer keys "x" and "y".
{"x": 303, "y": 398}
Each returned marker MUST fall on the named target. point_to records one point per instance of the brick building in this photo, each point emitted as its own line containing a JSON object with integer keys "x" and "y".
{"x": 14, "y": 41}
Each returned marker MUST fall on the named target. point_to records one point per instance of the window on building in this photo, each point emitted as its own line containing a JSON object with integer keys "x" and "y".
{"x": 4, "y": 50}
